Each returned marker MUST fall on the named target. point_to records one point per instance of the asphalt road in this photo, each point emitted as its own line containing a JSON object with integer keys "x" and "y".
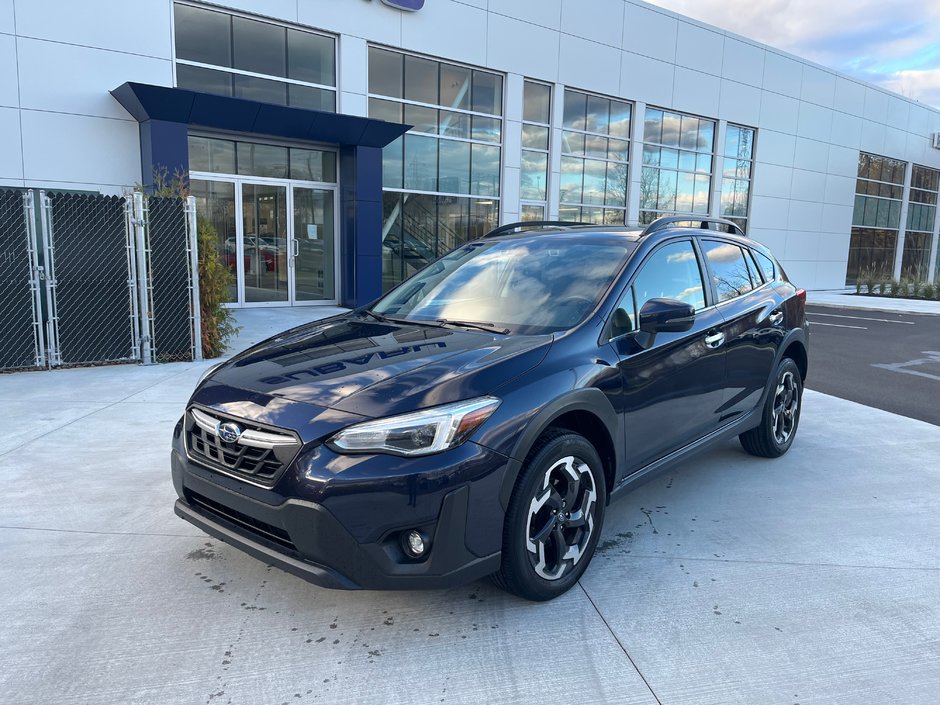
{"x": 887, "y": 360}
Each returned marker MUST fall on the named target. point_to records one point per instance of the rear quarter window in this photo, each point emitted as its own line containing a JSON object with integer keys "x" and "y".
{"x": 766, "y": 266}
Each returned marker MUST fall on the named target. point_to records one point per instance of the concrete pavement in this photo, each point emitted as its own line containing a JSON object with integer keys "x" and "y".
{"x": 809, "y": 579}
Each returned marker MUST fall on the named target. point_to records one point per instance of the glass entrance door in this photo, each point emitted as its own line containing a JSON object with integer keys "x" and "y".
{"x": 263, "y": 266}
{"x": 313, "y": 246}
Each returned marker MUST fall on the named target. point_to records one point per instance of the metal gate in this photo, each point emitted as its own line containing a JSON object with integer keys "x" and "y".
{"x": 107, "y": 279}
{"x": 21, "y": 343}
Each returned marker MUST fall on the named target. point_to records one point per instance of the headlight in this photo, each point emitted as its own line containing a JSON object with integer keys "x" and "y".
{"x": 419, "y": 433}
{"x": 202, "y": 377}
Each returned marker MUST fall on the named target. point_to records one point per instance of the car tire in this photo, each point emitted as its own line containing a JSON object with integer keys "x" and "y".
{"x": 554, "y": 519}
{"x": 780, "y": 416}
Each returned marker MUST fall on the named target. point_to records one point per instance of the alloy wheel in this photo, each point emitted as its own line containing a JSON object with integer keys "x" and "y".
{"x": 786, "y": 404}
{"x": 561, "y": 518}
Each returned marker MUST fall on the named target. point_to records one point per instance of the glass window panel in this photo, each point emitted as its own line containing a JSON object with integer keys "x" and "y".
{"x": 598, "y": 114}
{"x": 669, "y": 158}
{"x": 259, "y": 47}
{"x": 455, "y": 166}
{"x": 702, "y": 187}
{"x": 595, "y": 216}
{"x": 420, "y": 163}
{"x": 649, "y": 188}
{"x": 393, "y": 164}
{"x": 483, "y": 217}
{"x": 534, "y": 137}
{"x": 688, "y": 135}
{"x": 453, "y": 223}
{"x": 262, "y": 160}
{"x": 421, "y": 119}
{"x": 595, "y": 146}
{"x": 487, "y": 93}
{"x": 533, "y": 176}
{"x": 671, "y": 129}
{"x": 386, "y": 72}
{"x": 685, "y": 188}
{"x": 894, "y": 217}
{"x": 651, "y": 155}
{"x": 391, "y": 239}
{"x": 311, "y": 98}
{"x": 575, "y": 110}
{"x": 618, "y": 150}
{"x": 419, "y": 231}
{"x": 537, "y": 102}
{"x": 620, "y": 114}
{"x": 687, "y": 160}
{"x": 455, "y": 87}
{"x": 595, "y": 181}
{"x": 741, "y": 192}
{"x": 199, "y": 154}
{"x": 572, "y": 142}
{"x": 203, "y": 35}
{"x": 616, "y": 188}
{"x": 421, "y": 80}
{"x": 727, "y": 197}
{"x": 729, "y": 269}
{"x": 672, "y": 272}
{"x": 732, "y": 141}
{"x": 653, "y": 126}
{"x": 311, "y": 57}
{"x": 882, "y": 213}
{"x": 572, "y": 179}
{"x": 746, "y": 149}
{"x": 194, "y": 78}
{"x": 221, "y": 156}
{"x": 569, "y": 213}
{"x": 614, "y": 216}
{"x": 387, "y": 110}
{"x": 743, "y": 170}
{"x": 454, "y": 124}
{"x": 260, "y": 89}
{"x": 706, "y": 135}
{"x": 530, "y": 213}
{"x": 486, "y": 129}
{"x": 484, "y": 170}
{"x": 215, "y": 201}
{"x": 312, "y": 165}
{"x": 703, "y": 163}
{"x": 666, "y": 196}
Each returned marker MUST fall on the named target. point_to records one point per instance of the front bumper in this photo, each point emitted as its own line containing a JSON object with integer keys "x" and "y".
{"x": 343, "y": 532}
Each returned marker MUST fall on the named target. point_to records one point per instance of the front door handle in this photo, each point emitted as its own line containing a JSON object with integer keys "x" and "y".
{"x": 776, "y": 318}
{"x": 715, "y": 340}
{"x": 295, "y": 247}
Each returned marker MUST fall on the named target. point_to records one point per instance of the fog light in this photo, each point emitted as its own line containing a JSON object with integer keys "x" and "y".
{"x": 414, "y": 543}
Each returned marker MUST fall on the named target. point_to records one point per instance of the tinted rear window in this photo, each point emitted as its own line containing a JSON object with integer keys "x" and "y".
{"x": 728, "y": 268}
{"x": 766, "y": 266}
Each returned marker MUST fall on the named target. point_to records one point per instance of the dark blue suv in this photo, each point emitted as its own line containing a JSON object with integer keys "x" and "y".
{"x": 478, "y": 419}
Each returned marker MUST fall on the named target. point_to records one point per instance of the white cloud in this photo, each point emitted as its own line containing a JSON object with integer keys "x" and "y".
{"x": 890, "y": 43}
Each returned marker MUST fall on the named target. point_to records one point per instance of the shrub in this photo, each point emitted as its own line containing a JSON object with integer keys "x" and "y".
{"x": 928, "y": 291}
{"x": 869, "y": 281}
{"x": 915, "y": 288}
{"x": 215, "y": 281}
{"x": 882, "y": 286}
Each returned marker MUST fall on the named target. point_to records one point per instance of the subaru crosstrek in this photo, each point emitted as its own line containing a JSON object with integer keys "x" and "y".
{"x": 479, "y": 418}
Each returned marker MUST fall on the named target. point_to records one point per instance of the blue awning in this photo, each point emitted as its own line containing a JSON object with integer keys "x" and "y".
{"x": 179, "y": 105}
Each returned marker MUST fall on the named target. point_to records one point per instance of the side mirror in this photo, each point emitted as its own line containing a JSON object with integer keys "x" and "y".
{"x": 666, "y": 316}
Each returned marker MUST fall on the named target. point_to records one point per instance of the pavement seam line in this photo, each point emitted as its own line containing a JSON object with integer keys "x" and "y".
{"x": 101, "y": 533}
{"x": 789, "y": 563}
{"x": 620, "y": 644}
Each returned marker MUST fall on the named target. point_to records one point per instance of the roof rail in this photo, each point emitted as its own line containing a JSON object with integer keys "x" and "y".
{"x": 511, "y": 227}
{"x": 704, "y": 223}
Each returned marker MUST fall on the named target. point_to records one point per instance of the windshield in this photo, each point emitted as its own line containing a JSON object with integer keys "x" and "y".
{"x": 530, "y": 286}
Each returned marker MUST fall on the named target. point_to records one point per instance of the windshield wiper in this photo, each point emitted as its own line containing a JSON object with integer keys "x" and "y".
{"x": 479, "y": 325}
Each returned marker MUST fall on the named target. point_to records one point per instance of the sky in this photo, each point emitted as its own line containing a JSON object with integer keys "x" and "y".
{"x": 891, "y": 43}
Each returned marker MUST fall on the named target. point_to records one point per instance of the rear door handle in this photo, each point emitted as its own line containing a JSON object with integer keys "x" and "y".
{"x": 715, "y": 340}
{"x": 776, "y": 318}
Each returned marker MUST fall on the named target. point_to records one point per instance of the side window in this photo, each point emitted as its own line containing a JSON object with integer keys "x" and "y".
{"x": 672, "y": 272}
{"x": 729, "y": 270}
{"x": 756, "y": 275}
{"x": 624, "y": 318}
{"x": 766, "y": 265}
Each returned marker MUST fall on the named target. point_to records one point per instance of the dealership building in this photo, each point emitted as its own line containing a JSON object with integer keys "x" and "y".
{"x": 290, "y": 119}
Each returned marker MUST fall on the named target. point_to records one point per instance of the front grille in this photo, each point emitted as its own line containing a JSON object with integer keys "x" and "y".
{"x": 261, "y": 460}
{"x": 260, "y": 529}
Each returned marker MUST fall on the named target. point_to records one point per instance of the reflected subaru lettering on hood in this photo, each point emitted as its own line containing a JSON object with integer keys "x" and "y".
{"x": 340, "y": 365}
{"x": 410, "y": 5}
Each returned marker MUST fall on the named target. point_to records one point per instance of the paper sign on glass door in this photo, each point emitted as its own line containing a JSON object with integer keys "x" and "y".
{"x": 312, "y": 233}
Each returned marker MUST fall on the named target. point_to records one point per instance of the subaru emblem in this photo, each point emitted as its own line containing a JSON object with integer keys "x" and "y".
{"x": 229, "y": 432}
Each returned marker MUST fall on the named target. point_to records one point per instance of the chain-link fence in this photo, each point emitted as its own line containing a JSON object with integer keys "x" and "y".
{"x": 20, "y": 344}
{"x": 87, "y": 239}
{"x": 170, "y": 278}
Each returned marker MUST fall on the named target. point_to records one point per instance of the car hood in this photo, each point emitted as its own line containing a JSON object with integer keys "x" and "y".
{"x": 375, "y": 368}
